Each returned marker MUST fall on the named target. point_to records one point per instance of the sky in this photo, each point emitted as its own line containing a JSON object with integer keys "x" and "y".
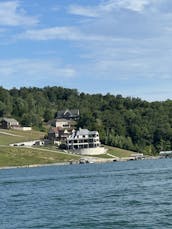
{"x": 96, "y": 46}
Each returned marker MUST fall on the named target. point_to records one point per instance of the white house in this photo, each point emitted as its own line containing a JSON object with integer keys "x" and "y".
{"x": 83, "y": 138}
{"x": 86, "y": 142}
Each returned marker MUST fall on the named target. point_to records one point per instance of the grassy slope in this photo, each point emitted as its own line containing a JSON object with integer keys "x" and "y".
{"x": 15, "y": 156}
{"x": 118, "y": 152}
{"x": 18, "y": 156}
{"x": 20, "y": 136}
{"x": 103, "y": 156}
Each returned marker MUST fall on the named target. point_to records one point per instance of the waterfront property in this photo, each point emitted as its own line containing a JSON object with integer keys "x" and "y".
{"x": 83, "y": 141}
{"x": 58, "y": 135}
{"x": 83, "y": 138}
{"x": 60, "y": 129}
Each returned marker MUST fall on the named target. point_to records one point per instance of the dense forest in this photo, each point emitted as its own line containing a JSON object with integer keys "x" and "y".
{"x": 128, "y": 123}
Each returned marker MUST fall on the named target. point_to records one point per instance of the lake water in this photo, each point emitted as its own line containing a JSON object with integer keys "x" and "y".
{"x": 134, "y": 194}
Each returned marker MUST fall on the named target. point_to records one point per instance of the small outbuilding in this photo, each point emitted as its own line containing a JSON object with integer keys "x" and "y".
{"x": 8, "y": 123}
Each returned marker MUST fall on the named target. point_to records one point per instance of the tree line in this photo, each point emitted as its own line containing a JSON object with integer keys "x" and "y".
{"x": 129, "y": 123}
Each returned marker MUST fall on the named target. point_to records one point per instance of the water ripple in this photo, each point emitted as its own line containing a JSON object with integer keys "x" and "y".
{"x": 115, "y": 195}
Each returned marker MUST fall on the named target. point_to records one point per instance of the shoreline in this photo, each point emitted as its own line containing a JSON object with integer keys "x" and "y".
{"x": 99, "y": 161}
{"x": 33, "y": 166}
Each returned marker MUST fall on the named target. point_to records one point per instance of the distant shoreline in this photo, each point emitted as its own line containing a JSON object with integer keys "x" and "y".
{"x": 74, "y": 163}
{"x": 34, "y": 165}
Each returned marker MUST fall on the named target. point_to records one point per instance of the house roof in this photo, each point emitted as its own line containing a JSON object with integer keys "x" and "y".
{"x": 85, "y": 132}
{"x": 82, "y": 132}
{"x": 10, "y": 120}
{"x": 72, "y": 113}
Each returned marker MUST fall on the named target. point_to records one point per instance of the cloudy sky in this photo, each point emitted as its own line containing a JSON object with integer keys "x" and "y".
{"x": 97, "y": 46}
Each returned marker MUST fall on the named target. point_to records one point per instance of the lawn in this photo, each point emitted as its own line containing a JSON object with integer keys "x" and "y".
{"x": 16, "y": 156}
{"x": 102, "y": 156}
{"x": 13, "y": 136}
{"x": 20, "y": 156}
{"x": 119, "y": 152}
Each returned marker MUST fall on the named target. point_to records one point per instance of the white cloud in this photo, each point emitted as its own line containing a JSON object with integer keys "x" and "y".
{"x": 55, "y": 8}
{"x": 34, "y": 69}
{"x": 134, "y": 5}
{"x": 109, "y": 6}
{"x": 11, "y": 14}
{"x": 84, "y": 11}
{"x": 66, "y": 33}
{"x": 63, "y": 33}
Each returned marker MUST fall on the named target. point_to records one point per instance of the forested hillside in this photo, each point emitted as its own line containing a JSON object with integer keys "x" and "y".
{"x": 128, "y": 123}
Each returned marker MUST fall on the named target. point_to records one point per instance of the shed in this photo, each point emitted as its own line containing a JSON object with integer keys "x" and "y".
{"x": 7, "y": 123}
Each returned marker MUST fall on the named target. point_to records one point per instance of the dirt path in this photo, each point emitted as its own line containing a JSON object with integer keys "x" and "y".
{"x": 5, "y": 133}
{"x": 111, "y": 155}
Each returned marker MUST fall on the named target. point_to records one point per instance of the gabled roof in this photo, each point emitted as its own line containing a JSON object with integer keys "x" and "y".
{"x": 10, "y": 120}
{"x": 82, "y": 132}
{"x": 85, "y": 132}
{"x": 68, "y": 113}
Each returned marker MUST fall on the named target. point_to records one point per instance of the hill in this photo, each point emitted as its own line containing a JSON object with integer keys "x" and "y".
{"x": 128, "y": 123}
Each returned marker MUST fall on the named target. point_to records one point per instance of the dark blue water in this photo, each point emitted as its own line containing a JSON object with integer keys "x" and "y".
{"x": 135, "y": 194}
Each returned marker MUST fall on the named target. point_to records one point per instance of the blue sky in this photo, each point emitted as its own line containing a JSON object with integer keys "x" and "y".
{"x": 97, "y": 46}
